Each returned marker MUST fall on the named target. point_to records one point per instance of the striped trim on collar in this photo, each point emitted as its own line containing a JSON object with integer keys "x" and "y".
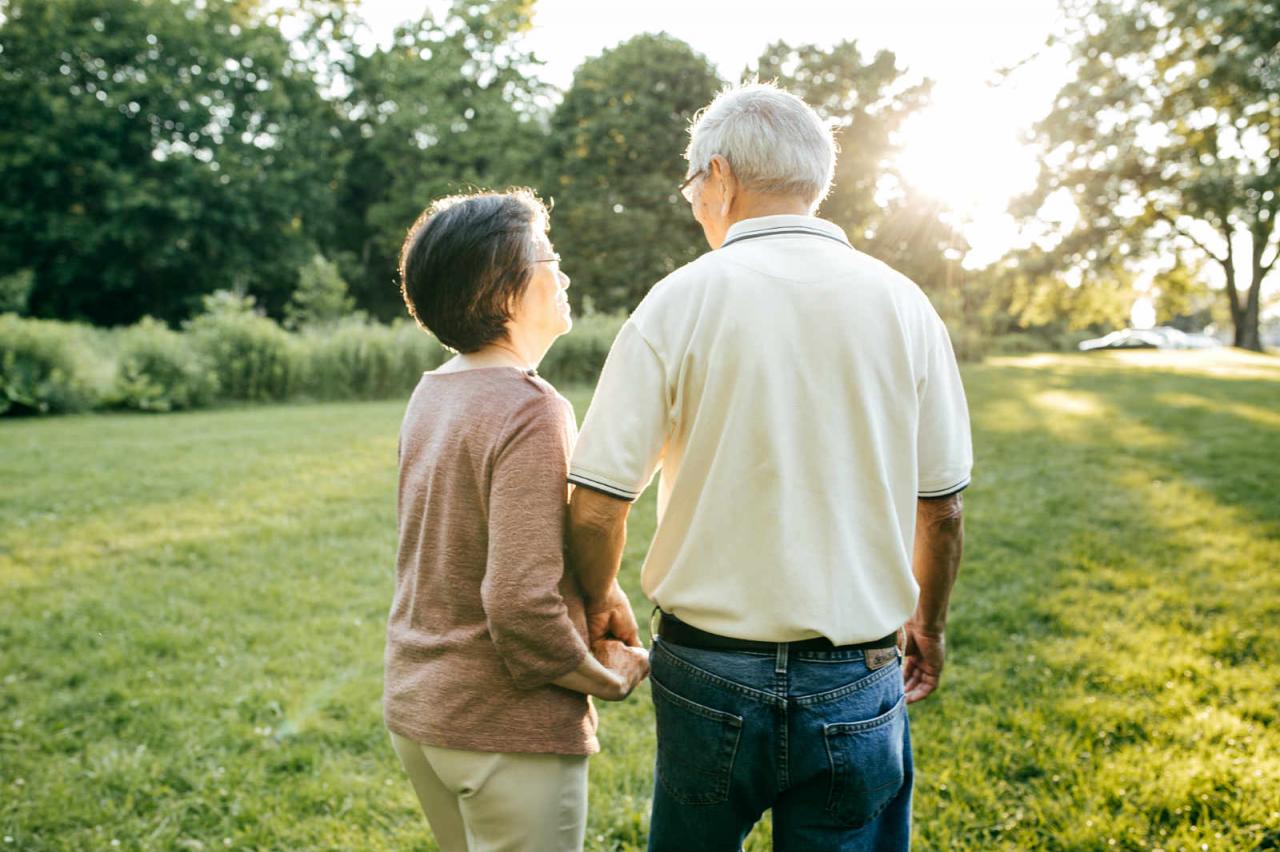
{"x": 785, "y": 231}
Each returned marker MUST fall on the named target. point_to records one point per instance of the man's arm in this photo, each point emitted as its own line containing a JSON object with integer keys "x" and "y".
{"x": 938, "y": 546}
{"x": 596, "y": 535}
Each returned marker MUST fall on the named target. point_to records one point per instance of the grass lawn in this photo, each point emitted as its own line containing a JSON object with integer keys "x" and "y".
{"x": 192, "y": 611}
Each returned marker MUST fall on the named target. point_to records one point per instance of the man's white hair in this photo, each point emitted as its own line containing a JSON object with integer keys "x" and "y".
{"x": 775, "y": 142}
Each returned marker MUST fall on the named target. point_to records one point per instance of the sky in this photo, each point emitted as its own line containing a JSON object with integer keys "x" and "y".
{"x": 966, "y": 148}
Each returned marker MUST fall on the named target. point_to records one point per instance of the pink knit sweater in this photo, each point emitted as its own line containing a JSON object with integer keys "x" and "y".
{"x": 484, "y": 617}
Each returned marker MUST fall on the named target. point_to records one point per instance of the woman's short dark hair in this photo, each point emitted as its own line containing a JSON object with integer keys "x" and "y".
{"x": 466, "y": 261}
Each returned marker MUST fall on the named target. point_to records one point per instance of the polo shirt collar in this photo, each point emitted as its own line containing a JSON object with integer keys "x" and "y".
{"x": 784, "y": 225}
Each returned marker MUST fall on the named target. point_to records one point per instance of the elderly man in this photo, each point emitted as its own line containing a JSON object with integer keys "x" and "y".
{"x": 803, "y": 403}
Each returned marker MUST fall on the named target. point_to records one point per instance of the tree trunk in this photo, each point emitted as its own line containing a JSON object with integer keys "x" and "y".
{"x": 1244, "y": 318}
{"x": 1247, "y": 334}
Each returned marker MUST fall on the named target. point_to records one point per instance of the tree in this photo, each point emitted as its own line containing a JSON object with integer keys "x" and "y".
{"x": 1183, "y": 299}
{"x": 15, "y": 290}
{"x": 153, "y": 151}
{"x": 1028, "y": 290}
{"x": 321, "y": 296}
{"x": 447, "y": 107}
{"x": 867, "y": 101}
{"x": 616, "y": 160}
{"x": 1168, "y": 139}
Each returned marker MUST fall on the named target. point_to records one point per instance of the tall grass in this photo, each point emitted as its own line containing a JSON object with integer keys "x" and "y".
{"x": 230, "y": 353}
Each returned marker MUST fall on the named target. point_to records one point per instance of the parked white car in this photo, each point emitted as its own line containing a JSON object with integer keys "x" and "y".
{"x": 1160, "y": 337}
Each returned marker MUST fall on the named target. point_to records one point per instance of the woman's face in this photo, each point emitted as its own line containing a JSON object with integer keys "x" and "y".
{"x": 544, "y": 307}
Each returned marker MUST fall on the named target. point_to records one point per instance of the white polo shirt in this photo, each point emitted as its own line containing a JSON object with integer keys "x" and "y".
{"x": 797, "y": 396}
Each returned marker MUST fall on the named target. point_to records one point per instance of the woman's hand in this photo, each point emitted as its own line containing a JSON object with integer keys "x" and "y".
{"x": 609, "y": 672}
{"x": 631, "y": 665}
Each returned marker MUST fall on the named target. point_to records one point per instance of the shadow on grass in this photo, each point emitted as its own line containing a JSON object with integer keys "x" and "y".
{"x": 1112, "y": 633}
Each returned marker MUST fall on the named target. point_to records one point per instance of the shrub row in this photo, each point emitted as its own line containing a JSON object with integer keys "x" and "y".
{"x": 229, "y": 353}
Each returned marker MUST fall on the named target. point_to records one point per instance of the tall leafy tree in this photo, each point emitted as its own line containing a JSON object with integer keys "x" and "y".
{"x": 867, "y": 99}
{"x": 1168, "y": 138}
{"x": 615, "y": 162}
{"x": 155, "y": 150}
{"x": 448, "y": 106}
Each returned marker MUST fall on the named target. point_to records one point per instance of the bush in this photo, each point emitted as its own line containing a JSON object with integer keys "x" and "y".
{"x": 321, "y": 296}
{"x": 160, "y": 370}
{"x": 417, "y": 351}
{"x": 252, "y": 357}
{"x": 50, "y": 367}
{"x": 15, "y": 290}
{"x": 579, "y": 356}
{"x": 357, "y": 359}
{"x": 229, "y": 352}
{"x": 969, "y": 342}
{"x": 1047, "y": 339}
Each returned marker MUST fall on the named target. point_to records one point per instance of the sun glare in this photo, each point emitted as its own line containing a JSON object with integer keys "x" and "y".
{"x": 965, "y": 151}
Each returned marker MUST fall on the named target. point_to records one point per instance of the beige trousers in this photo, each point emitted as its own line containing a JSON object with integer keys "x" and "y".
{"x": 477, "y": 801}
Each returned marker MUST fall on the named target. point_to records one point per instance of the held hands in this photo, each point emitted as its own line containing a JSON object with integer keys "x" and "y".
{"x": 611, "y": 618}
{"x": 629, "y": 664}
{"x": 922, "y": 661}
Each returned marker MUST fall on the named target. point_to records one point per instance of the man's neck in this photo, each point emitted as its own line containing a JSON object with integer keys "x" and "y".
{"x": 766, "y": 205}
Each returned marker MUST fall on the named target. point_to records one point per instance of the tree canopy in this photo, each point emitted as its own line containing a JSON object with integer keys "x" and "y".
{"x": 615, "y": 161}
{"x": 153, "y": 151}
{"x": 156, "y": 151}
{"x": 1168, "y": 139}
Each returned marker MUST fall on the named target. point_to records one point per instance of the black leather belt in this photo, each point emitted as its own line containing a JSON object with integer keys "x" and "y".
{"x": 677, "y": 632}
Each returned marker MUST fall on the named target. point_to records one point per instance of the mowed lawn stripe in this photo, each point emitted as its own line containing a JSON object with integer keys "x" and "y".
{"x": 192, "y": 606}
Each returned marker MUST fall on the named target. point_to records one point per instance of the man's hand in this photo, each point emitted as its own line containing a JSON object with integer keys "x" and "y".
{"x": 630, "y": 664}
{"x": 612, "y": 618}
{"x": 922, "y": 661}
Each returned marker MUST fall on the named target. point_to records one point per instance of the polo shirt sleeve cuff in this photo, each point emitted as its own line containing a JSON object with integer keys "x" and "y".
{"x": 938, "y": 493}
{"x": 596, "y": 482}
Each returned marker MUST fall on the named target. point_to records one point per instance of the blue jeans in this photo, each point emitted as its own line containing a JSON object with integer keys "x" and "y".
{"x": 815, "y": 735}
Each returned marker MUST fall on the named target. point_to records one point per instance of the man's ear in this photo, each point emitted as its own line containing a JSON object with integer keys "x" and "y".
{"x": 722, "y": 172}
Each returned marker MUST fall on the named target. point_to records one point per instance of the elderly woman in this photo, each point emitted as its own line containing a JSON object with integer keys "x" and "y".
{"x": 488, "y": 669}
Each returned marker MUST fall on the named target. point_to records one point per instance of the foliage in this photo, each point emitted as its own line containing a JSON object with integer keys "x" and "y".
{"x": 230, "y": 352}
{"x": 446, "y": 107}
{"x": 15, "y": 291}
{"x": 615, "y": 155}
{"x": 49, "y": 367}
{"x": 867, "y": 100}
{"x": 154, "y": 151}
{"x": 160, "y": 370}
{"x": 1168, "y": 138}
{"x": 214, "y": 586}
{"x": 578, "y": 356}
{"x": 253, "y": 357}
{"x": 356, "y": 359}
{"x": 1185, "y": 300}
{"x": 321, "y": 296}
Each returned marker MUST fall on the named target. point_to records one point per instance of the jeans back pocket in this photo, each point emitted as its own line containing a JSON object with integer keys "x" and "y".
{"x": 867, "y": 768}
{"x": 697, "y": 746}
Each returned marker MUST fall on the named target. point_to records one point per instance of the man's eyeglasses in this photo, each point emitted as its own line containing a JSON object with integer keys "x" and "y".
{"x": 686, "y": 188}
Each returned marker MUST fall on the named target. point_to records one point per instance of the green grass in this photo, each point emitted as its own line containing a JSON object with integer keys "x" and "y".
{"x": 192, "y": 611}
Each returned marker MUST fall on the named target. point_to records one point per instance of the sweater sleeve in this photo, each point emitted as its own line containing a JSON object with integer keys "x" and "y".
{"x": 525, "y": 612}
